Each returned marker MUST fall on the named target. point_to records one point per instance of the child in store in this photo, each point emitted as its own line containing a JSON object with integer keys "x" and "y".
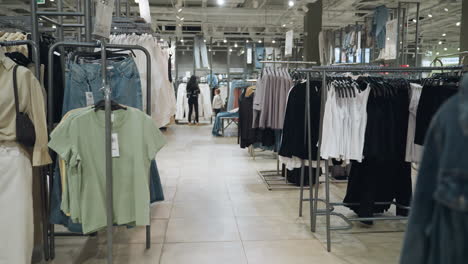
{"x": 217, "y": 102}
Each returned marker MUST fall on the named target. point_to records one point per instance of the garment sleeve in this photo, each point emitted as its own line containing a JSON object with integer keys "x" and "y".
{"x": 61, "y": 141}
{"x": 153, "y": 138}
{"x": 36, "y": 111}
{"x": 416, "y": 244}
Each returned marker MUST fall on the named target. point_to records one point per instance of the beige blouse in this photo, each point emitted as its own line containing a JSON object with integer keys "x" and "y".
{"x": 31, "y": 102}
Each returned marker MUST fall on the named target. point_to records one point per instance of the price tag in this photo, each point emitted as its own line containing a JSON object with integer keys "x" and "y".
{"x": 89, "y": 98}
{"x": 115, "y": 145}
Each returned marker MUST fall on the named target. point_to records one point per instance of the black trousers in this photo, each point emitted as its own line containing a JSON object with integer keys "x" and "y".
{"x": 193, "y": 103}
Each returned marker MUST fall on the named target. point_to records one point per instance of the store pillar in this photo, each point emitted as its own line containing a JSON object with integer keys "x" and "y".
{"x": 312, "y": 28}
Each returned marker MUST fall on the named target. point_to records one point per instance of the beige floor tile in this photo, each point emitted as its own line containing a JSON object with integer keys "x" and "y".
{"x": 197, "y": 209}
{"x": 201, "y": 195}
{"x": 288, "y": 251}
{"x": 202, "y": 229}
{"x": 203, "y": 253}
{"x": 161, "y": 210}
{"x": 273, "y": 228}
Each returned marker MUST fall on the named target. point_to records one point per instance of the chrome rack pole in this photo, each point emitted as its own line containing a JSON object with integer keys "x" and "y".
{"x": 309, "y": 142}
{"x": 327, "y": 205}
{"x": 301, "y": 195}
{"x": 108, "y": 153}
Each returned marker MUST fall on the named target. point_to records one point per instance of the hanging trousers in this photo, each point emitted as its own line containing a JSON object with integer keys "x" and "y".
{"x": 193, "y": 103}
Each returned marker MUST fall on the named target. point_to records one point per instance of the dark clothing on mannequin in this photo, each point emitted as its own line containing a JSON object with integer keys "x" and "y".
{"x": 193, "y": 103}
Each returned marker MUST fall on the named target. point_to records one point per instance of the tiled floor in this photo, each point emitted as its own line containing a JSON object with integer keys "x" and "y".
{"x": 218, "y": 210}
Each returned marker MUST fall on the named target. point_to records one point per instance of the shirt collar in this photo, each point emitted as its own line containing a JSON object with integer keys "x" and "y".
{"x": 6, "y": 62}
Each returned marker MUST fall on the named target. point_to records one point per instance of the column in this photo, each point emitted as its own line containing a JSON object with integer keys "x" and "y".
{"x": 464, "y": 29}
{"x": 312, "y": 28}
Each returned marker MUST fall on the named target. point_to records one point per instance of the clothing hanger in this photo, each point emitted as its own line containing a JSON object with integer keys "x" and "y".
{"x": 101, "y": 105}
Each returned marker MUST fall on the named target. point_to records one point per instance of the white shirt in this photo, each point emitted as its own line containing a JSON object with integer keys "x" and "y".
{"x": 218, "y": 102}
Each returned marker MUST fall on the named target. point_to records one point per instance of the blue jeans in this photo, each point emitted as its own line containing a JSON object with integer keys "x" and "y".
{"x": 218, "y": 124}
{"x": 123, "y": 77}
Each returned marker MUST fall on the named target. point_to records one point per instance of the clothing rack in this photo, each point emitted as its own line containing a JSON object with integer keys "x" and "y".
{"x": 274, "y": 179}
{"x": 108, "y": 125}
{"x": 330, "y": 206}
{"x": 43, "y": 180}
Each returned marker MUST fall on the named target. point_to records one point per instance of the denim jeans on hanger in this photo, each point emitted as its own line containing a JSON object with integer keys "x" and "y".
{"x": 123, "y": 78}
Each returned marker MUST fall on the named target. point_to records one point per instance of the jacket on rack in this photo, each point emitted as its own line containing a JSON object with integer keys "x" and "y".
{"x": 438, "y": 225}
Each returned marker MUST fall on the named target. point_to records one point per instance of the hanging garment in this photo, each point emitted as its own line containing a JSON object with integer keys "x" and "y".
{"x": 437, "y": 229}
{"x": 16, "y": 222}
{"x": 31, "y": 102}
{"x": 163, "y": 101}
{"x": 413, "y": 151}
{"x": 86, "y": 166}
{"x": 432, "y": 97}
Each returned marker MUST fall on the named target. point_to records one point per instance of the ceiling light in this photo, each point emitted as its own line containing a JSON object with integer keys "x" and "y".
{"x": 161, "y": 39}
{"x": 414, "y": 20}
{"x": 273, "y": 41}
{"x": 220, "y": 2}
{"x": 204, "y": 40}
{"x": 444, "y": 34}
{"x": 225, "y": 40}
{"x": 230, "y": 50}
{"x": 115, "y": 27}
{"x": 429, "y": 15}
{"x": 458, "y": 49}
{"x": 182, "y": 40}
{"x": 260, "y": 41}
{"x": 182, "y": 19}
{"x": 180, "y": 10}
{"x": 446, "y": 9}
{"x": 437, "y": 53}
{"x": 458, "y": 24}
{"x": 54, "y": 26}
{"x": 284, "y": 25}
{"x": 52, "y": 0}
{"x": 209, "y": 50}
{"x": 440, "y": 42}
{"x": 235, "y": 45}
{"x": 445, "y": 49}
{"x": 290, "y": 3}
{"x": 247, "y": 41}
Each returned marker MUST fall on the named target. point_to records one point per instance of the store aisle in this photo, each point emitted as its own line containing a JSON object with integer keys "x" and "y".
{"x": 217, "y": 210}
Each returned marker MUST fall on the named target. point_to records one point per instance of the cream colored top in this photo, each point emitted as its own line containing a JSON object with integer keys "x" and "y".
{"x": 31, "y": 102}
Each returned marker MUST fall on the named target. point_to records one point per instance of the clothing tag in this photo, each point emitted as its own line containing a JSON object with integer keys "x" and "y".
{"x": 115, "y": 145}
{"x": 112, "y": 118}
{"x": 89, "y": 98}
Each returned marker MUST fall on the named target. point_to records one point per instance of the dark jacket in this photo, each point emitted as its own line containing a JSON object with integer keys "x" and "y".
{"x": 192, "y": 91}
{"x": 438, "y": 226}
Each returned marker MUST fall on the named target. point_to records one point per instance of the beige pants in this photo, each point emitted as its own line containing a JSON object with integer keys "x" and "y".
{"x": 16, "y": 207}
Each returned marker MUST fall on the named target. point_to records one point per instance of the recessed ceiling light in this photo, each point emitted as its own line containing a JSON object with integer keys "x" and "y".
{"x": 204, "y": 40}
{"x": 247, "y": 41}
{"x": 273, "y": 41}
{"x": 284, "y": 25}
{"x": 414, "y": 20}
{"x": 429, "y": 15}
{"x": 161, "y": 39}
{"x": 458, "y": 24}
{"x": 54, "y": 26}
{"x": 180, "y": 10}
{"x": 458, "y": 49}
{"x": 444, "y": 34}
{"x": 220, "y": 2}
{"x": 182, "y": 40}
{"x": 291, "y": 3}
{"x": 225, "y": 40}
{"x": 230, "y": 50}
{"x": 182, "y": 19}
{"x": 437, "y": 53}
{"x": 260, "y": 41}
{"x": 445, "y": 49}
{"x": 235, "y": 45}
{"x": 446, "y": 9}
{"x": 440, "y": 42}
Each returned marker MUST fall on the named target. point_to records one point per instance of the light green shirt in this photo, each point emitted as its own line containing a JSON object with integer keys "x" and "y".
{"x": 80, "y": 142}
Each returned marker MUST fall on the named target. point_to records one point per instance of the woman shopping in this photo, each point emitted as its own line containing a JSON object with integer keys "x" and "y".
{"x": 193, "y": 91}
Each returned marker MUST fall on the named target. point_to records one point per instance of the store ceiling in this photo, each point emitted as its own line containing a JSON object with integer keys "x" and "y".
{"x": 270, "y": 19}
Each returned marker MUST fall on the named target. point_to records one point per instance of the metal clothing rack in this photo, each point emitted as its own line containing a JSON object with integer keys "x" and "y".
{"x": 43, "y": 181}
{"x": 330, "y": 206}
{"x": 108, "y": 126}
{"x": 273, "y": 179}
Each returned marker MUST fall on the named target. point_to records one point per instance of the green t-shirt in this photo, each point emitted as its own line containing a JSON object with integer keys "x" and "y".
{"x": 81, "y": 143}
